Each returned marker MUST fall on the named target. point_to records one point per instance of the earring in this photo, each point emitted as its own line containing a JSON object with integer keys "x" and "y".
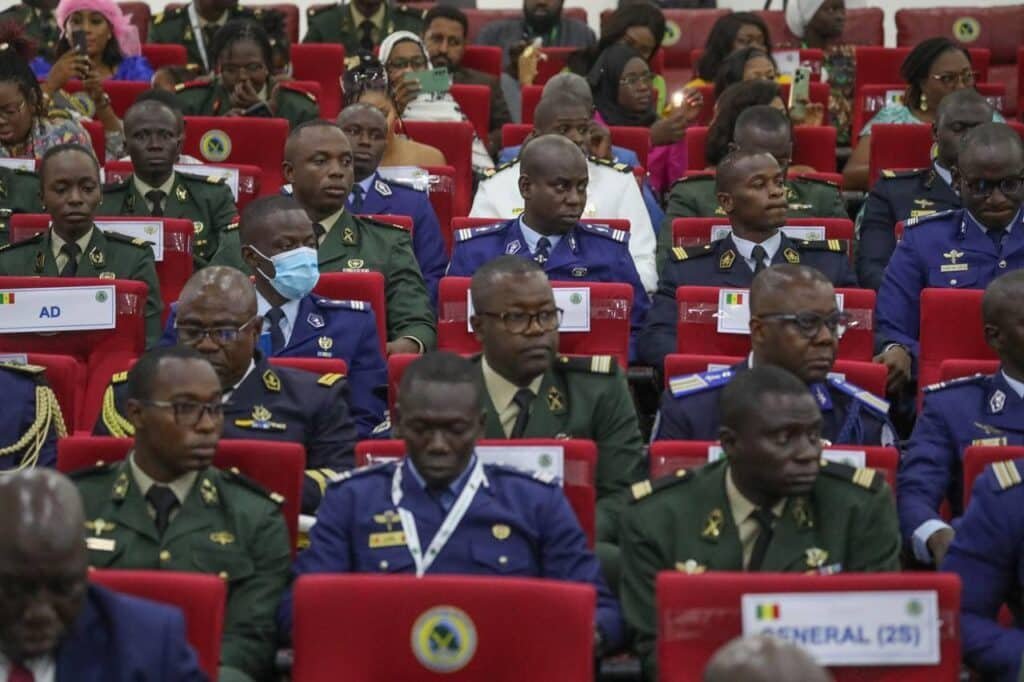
{"x": 923, "y": 105}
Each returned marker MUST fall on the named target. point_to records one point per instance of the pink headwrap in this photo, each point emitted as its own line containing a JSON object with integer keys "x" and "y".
{"x": 126, "y": 34}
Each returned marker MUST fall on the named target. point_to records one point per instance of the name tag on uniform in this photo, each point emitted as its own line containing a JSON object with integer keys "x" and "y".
{"x": 733, "y": 314}
{"x": 574, "y": 302}
{"x": 146, "y": 230}
{"x": 229, "y": 175}
{"x": 797, "y": 232}
{"x": 953, "y": 267}
{"x": 395, "y": 538}
{"x": 57, "y": 309}
{"x": 100, "y": 544}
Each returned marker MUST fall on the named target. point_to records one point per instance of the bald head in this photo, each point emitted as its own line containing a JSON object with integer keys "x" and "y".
{"x": 39, "y": 507}
{"x": 306, "y": 132}
{"x": 1003, "y": 295}
{"x": 737, "y": 165}
{"x": 553, "y": 179}
{"x": 763, "y": 659}
{"x": 988, "y": 141}
{"x": 219, "y": 283}
{"x": 543, "y": 154}
{"x": 572, "y": 84}
{"x": 773, "y": 285}
{"x": 1004, "y": 321}
{"x": 358, "y": 110}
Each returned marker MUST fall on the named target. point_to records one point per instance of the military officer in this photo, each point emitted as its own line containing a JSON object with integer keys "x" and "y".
{"x": 761, "y": 129}
{"x": 39, "y": 23}
{"x": 963, "y": 249}
{"x": 751, "y": 190}
{"x": 73, "y": 247}
{"x": 318, "y": 164}
{"x": 367, "y": 128}
{"x": 901, "y": 195}
{"x": 360, "y": 24}
{"x": 154, "y": 134}
{"x": 19, "y": 193}
{"x": 194, "y": 25}
{"x": 31, "y": 422}
{"x": 217, "y": 316}
{"x": 794, "y": 324}
{"x": 476, "y": 518}
{"x": 976, "y": 410}
{"x": 611, "y": 191}
{"x": 770, "y": 505}
{"x": 165, "y": 507}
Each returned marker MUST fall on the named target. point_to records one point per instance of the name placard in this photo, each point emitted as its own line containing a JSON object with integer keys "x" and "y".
{"x": 151, "y": 231}
{"x": 57, "y": 309}
{"x": 734, "y": 310}
{"x": 801, "y": 232}
{"x": 544, "y": 459}
{"x": 574, "y": 302}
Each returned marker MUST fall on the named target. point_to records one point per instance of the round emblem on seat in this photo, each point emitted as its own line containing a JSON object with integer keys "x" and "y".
{"x": 966, "y": 29}
{"x": 215, "y": 145}
{"x": 444, "y": 639}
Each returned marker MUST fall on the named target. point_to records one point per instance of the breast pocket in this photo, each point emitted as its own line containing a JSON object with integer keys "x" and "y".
{"x": 231, "y": 565}
{"x": 950, "y": 279}
{"x": 502, "y": 558}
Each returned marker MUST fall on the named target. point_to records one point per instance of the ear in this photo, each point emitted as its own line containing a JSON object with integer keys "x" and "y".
{"x": 725, "y": 201}
{"x": 757, "y": 331}
{"x": 133, "y": 412}
{"x": 251, "y": 259}
{"x": 477, "y": 321}
{"x": 524, "y": 186}
{"x": 727, "y": 438}
{"x": 994, "y": 337}
{"x": 287, "y": 170}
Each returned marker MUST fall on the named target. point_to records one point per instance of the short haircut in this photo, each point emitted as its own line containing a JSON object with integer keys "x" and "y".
{"x": 1004, "y": 291}
{"x": 356, "y": 107}
{"x": 779, "y": 278}
{"x": 439, "y": 367}
{"x": 727, "y": 174}
{"x": 298, "y": 130}
{"x": 500, "y": 266}
{"x": 734, "y": 101}
{"x": 446, "y": 12}
{"x": 762, "y": 117}
{"x": 538, "y": 151}
{"x": 990, "y": 136}
{"x": 159, "y": 96}
{"x": 260, "y": 210}
{"x": 745, "y": 393}
{"x": 142, "y": 376}
{"x": 570, "y": 83}
{"x": 959, "y": 98}
{"x": 551, "y": 105}
{"x": 61, "y": 149}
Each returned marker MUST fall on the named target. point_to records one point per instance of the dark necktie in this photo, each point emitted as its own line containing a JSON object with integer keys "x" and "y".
{"x": 20, "y": 673}
{"x": 543, "y": 251}
{"x": 997, "y": 237}
{"x": 522, "y": 399}
{"x": 274, "y": 317}
{"x": 358, "y": 195}
{"x": 760, "y": 256}
{"x": 319, "y": 231}
{"x": 156, "y": 199}
{"x": 71, "y": 250}
{"x": 164, "y": 501}
{"x": 366, "y": 35}
{"x": 764, "y": 519}
{"x": 209, "y": 31}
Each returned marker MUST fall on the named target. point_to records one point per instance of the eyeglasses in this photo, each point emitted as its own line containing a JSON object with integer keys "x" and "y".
{"x": 982, "y": 187}
{"x": 189, "y": 412}
{"x": 634, "y": 80}
{"x": 809, "y": 324}
{"x": 951, "y": 78}
{"x": 518, "y": 323}
{"x": 221, "y": 336}
{"x": 252, "y": 69}
{"x": 410, "y": 63}
{"x": 11, "y": 110}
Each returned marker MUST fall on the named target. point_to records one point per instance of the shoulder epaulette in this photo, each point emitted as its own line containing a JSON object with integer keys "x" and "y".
{"x": 117, "y": 186}
{"x": 381, "y": 223}
{"x": 689, "y": 384}
{"x": 203, "y": 179}
{"x": 832, "y": 245}
{"x": 889, "y": 174}
{"x": 125, "y": 239}
{"x": 97, "y": 468}
{"x": 959, "y": 381}
{"x": 473, "y": 232}
{"x": 606, "y": 231}
{"x": 329, "y": 379}
{"x": 911, "y": 222}
{"x": 394, "y": 182}
{"x": 593, "y": 364}
{"x": 616, "y": 165}
{"x": 545, "y": 477}
{"x": 1007, "y": 474}
{"x": 34, "y": 239}
{"x": 491, "y": 172}
{"x": 202, "y": 82}
{"x": 23, "y": 368}
{"x": 857, "y": 393}
{"x": 236, "y": 476}
{"x": 679, "y": 253}
{"x": 313, "y": 11}
{"x": 26, "y": 172}
{"x": 362, "y": 471}
{"x": 119, "y": 378}
{"x": 231, "y": 227}
{"x": 339, "y": 304}
{"x": 291, "y": 87}
{"x": 864, "y": 477}
{"x": 58, "y": 113}
{"x": 648, "y": 487}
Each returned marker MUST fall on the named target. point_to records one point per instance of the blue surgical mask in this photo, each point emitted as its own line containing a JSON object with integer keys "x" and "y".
{"x": 296, "y": 271}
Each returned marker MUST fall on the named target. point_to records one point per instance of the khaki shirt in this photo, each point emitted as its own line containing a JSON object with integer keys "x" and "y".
{"x": 145, "y": 189}
{"x": 742, "y": 514}
{"x": 502, "y": 391}
{"x": 57, "y": 242}
{"x": 329, "y": 222}
{"x": 180, "y": 486}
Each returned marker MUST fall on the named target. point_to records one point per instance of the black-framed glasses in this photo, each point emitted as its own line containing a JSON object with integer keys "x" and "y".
{"x": 809, "y": 324}
{"x": 518, "y": 323}
{"x": 188, "y": 412}
{"x": 951, "y": 78}
{"x": 636, "y": 79}
{"x": 983, "y": 187}
{"x": 221, "y": 336}
{"x": 415, "y": 63}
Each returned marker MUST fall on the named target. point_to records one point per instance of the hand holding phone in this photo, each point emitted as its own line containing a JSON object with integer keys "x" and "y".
{"x": 80, "y": 41}
{"x": 800, "y": 93}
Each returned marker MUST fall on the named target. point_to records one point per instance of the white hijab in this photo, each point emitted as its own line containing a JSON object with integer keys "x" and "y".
{"x": 799, "y": 13}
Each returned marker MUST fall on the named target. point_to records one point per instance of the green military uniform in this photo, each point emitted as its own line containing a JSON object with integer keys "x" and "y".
{"x": 207, "y": 202}
{"x": 694, "y": 197}
{"x": 19, "y": 193}
{"x": 684, "y": 522}
{"x": 227, "y": 526}
{"x": 335, "y": 24}
{"x": 174, "y": 27}
{"x": 107, "y": 255}
{"x": 357, "y": 244}
{"x": 209, "y": 98}
{"x": 39, "y": 24}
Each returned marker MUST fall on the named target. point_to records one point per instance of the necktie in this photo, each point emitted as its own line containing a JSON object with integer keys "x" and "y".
{"x": 357, "y": 198}
{"x": 209, "y": 31}
{"x": 522, "y": 399}
{"x": 164, "y": 501}
{"x": 760, "y": 256}
{"x": 71, "y": 250}
{"x": 20, "y": 673}
{"x": 319, "y": 231}
{"x": 543, "y": 250}
{"x": 366, "y": 35}
{"x": 156, "y": 199}
{"x": 274, "y": 317}
{"x": 764, "y": 519}
{"x": 997, "y": 237}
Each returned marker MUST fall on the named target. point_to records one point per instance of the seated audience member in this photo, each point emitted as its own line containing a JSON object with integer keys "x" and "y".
{"x": 763, "y": 658}
{"x": 154, "y": 135}
{"x": 39, "y": 19}
{"x": 965, "y": 248}
{"x": 244, "y": 84}
{"x": 360, "y": 25}
{"x": 745, "y": 64}
{"x": 165, "y": 507}
{"x": 19, "y": 193}
{"x": 73, "y": 246}
{"x": 440, "y": 416}
{"x": 176, "y": 26}
{"x": 751, "y": 189}
{"x": 730, "y": 33}
{"x": 770, "y": 504}
{"x": 542, "y": 25}
{"x": 80, "y": 631}
{"x": 366, "y": 128}
{"x": 217, "y": 317}
{"x": 319, "y": 166}
{"x": 935, "y": 68}
{"x": 975, "y": 410}
{"x": 611, "y": 189}
{"x": 795, "y": 324}
{"x": 31, "y": 422}
{"x": 902, "y": 195}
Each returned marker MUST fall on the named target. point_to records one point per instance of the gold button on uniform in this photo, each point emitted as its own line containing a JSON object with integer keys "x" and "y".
{"x": 503, "y": 560}
{"x": 223, "y": 575}
{"x": 383, "y": 565}
{"x": 165, "y": 555}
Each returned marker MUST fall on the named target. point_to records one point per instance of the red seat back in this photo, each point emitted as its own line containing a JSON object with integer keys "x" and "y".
{"x": 138, "y": 14}
{"x": 396, "y": 367}
{"x": 66, "y": 376}
{"x": 96, "y": 136}
{"x": 530, "y": 98}
{"x": 954, "y": 368}
{"x": 977, "y": 457}
{"x": 636, "y": 138}
{"x": 475, "y": 102}
{"x": 864, "y": 26}
{"x": 942, "y": 310}
{"x": 513, "y": 134}
{"x": 442, "y": 197}
{"x": 478, "y": 18}
{"x": 455, "y": 140}
{"x": 358, "y": 286}
{"x": 247, "y": 141}
{"x": 249, "y": 178}
{"x": 122, "y": 93}
{"x": 323, "y": 63}
{"x": 997, "y": 29}
{"x": 291, "y": 19}
{"x": 314, "y": 365}
{"x": 685, "y": 31}
{"x": 485, "y": 58}
{"x": 165, "y": 54}
{"x": 813, "y": 146}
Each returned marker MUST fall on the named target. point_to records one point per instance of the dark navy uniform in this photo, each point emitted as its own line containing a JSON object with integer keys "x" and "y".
{"x": 396, "y": 198}
{"x": 19, "y": 193}
{"x": 947, "y": 250}
{"x": 987, "y": 554}
{"x": 273, "y": 403}
{"x": 898, "y": 195}
{"x": 517, "y": 525}
{"x": 31, "y": 420}
{"x": 718, "y": 264}
{"x": 978, "y": 410}
{"x": 851, "y": 415}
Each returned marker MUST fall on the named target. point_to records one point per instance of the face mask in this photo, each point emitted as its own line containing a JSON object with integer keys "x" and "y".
{"x": 297, "y": 272}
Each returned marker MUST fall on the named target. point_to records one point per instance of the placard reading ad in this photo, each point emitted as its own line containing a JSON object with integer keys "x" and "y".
{"x": 734, "y": 310}
{"x": 230, "y": 175}
{"x": 854, "y": 458}
{"x": 574, "y": 302}
{"x": 148, "y": 230}
{"x": 811, "y": 232}
{"x": 545, "y": 459}
{"x": 851, "y": 628}
{"x": 57, "y": 309}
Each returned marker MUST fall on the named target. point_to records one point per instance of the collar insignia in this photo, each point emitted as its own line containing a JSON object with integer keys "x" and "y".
{"x": 791, "y": 256}
{"x": 713, "y": 525}
{"x": 271, "y": 381}
{"x": 996, "y": 402}
{"x": 727, "y": 259}
{"x": 315, "y": 321}
{"x": 181, "y": 193}
{"x": 208, "y": 492}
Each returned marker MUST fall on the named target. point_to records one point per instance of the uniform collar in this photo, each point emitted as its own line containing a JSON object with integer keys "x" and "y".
{"x": 330, "y": 220}
{"x": 969, "y": 218}
{"x": 1016, "y": 386}
{"x": 946, "y": 176}
{"x": 180, "y": 486}
{"x": 142, "y": 188}
{"x": 746, "y": 247}
{"x": 531, "y": 236}
{"x": 227, "y": 393}
{"x": 454, "y": 488}
{"x": 500, "y": 389}
{"x": 740, "y": 506}
{"x": 56, "y": 241}
{"x": 290, "y": 309}
{"x": 367, "y": 182}
{"x": 377, "y": 18}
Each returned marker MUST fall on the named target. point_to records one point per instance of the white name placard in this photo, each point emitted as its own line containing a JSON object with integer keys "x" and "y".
{"x": 851, "y": 628}
{"x": 57, "y": 309}
{"x": 574, "y": 302}
{"x": 18, "y": 164}
{"x": 734, "y": 310}
{"x": 545, "y": 459}
{"x": 151, "y": 231}
{"x": 854, "y": 458}
{"x": 230, "y": 175}
{"x": 809, "y": 232}
{"x": 787, "y": 61}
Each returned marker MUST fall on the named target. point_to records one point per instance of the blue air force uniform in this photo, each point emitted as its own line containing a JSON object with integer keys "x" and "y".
{"x": 987, "y": 555}
{"x": 381, "y": 196}
{"x": 850, "y": 415}
{"x": 948, "y": 250}
{"x": 721, "y": 263}
{"x": 898, "y": 195}
{"x": 978, "y": 410}
{"x": 517, "y": 525}
{"x": 31, "y": 420}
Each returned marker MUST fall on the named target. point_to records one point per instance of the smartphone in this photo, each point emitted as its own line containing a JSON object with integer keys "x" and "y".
{"x": 80, "y": 42}
{"x": 800, "y": 92}
{"x": 259, "y": 109}
{"x": 434, "y": 81}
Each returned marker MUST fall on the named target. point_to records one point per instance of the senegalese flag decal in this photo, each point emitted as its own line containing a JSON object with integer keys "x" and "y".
{"x": 768, "y": 612}
{"x": 6, "y": 297}
{"x": 733, "y": 299}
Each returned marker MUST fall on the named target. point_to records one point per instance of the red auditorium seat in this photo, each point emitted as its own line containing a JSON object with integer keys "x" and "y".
{"x": 161, "y": 55}
{"x": 637, "y": 139}
{"x": 358, "y": 286}
{"x": 138, "y": 14}
{"x": 201, "y": 598}
{"x": 579, "y": 467}
{"x": 864, "y": 26}
{"x": 478, "y": 18}
{"x": 442, "y": 192}
{"x": 455, "y": 140}
{"x": 484, "y": 58}
{"x": 66, "y": 376}
{"x": 323, "y": 63}
{"x": 291, "y": 19}
{"x": 122, "y": 93}
{"x": 249, "y": 177}
{"x": 314, "y": 365}
{"x": 475, "y": 102}
{"x": 240, "y": 140}
{"x": 954, "y": 368}
{"x": 530, "y": 98}
{"x": 685, "y": 30}
{"x": 977, "y": 457}
{"x": 713, "y": 599}
{"x": 96, "y": 136}
{"x": 941, "y": 310}
{"x": 396, "y": 367}
{"x": 694, "y": 231}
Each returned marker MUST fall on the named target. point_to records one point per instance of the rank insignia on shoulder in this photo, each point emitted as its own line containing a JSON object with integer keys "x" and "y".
{"x": 864, "y": 477}
{"x": 680, "y": 253}
{"x": 119, "y": 378}
{"x": 606, "y": 231}
{"x": 648, "y": 487}
{"x": 271, "y": 381}
{"x": 959, "y": 381}
{"x": 857, "y": 393}
{"x": 594, "y": 364}
{"x": 1007, "y": 474}
{"x": 329, "y": 379}
{"x": 472, "y": 232}
{"x": 688, "y": 384}
{"x": 911, "y": 222}
{"x": 833, "y": 245}
{"x": 615, "y": 165}
{"x": 690, "y": 567}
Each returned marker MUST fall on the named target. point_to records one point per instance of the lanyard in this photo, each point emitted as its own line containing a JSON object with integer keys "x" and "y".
{"x": 197, "y": 33}
{"x": 451, "y": 522}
